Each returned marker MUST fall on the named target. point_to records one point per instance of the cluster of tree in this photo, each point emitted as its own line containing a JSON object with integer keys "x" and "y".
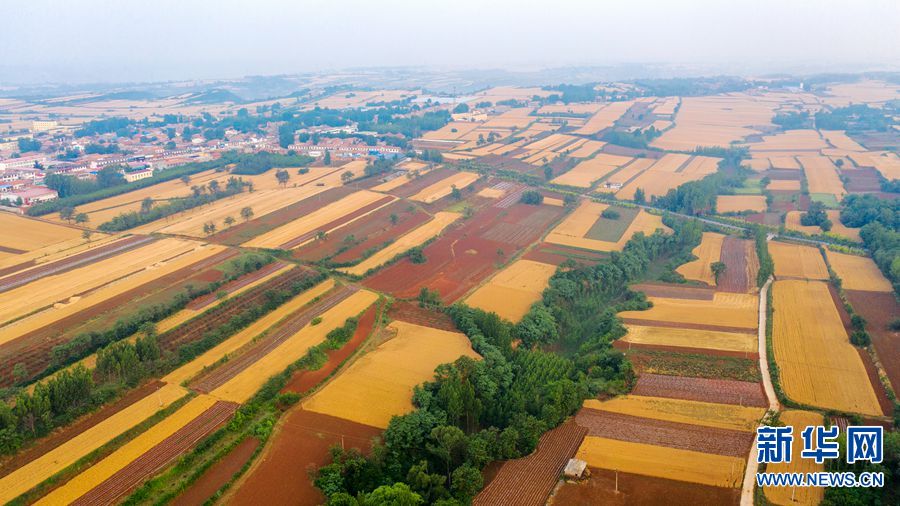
{"x": 569, "y": 93}
{"x": 69, "y": 186}
{"x": 409, "y": 126}
{"x": 880, "y": 222}
{"x": 792, "y": 120}
{"x": 264, "y": 161}
{"x": 26, "y": 145}
{"x": 815, "y": 216}
{"x": 201, "y": 195}
{"x": 766, "y": 264}
{"x": 697, "y": 197}
{"x": 638, "y": 139}
{"x": 532, "y": 197}
{"x": 691, "y": 86}
{"x": 855, "y": 118}
{"x": 101, "y": 149}
{"x": 379, "y": 166}
{"x": 890, "y": 466}
{"x": 477, "y": 411}
{"x": 127, "y": 362}
{"x": 122, "y": 127}
{"x": 429, "y": 155}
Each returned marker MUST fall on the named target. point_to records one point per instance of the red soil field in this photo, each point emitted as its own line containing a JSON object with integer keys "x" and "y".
{"x": 304, "y": 380}
{"x": 217, "y": 475}
{"x": 529, "y": 480}
{"x": 237, "y": 284}
{"x": 248, "y": 355}
{"x": 245, "y": 231}
{"x": 410, "y": 312}
{"x": 467, "y": 254}
{"x": 627, "y": 346}
{"x": 414, "y": 186}
{"x": 737, "y": 277}
{"x": 607, "y": 487}
{"x": 683, "y": 436}
{"x": 158, "y": 457}
{"x": 335, "y": 223}
{"x": 674, "y": 291}
{"x": 862, "y": 180}
{"x": 60, "y": 436}
{"x": 794, "y": 175}
{"x": 68, "y": 263}
{"x": 300, "y": 443}
{"x": 879, "y": 309}
{"x": 14, "y": 251}
{"x": 743, "y": 393}
{"x": 554, "y": 254}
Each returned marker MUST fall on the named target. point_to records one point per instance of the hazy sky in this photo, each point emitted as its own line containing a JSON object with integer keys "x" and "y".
{"x": 116, "y": 40}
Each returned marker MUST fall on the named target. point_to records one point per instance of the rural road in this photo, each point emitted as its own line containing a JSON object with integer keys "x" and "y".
{"x": 750, "y": 469}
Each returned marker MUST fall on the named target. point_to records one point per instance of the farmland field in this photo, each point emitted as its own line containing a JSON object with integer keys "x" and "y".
{"x": 727, "y": 311}
{"x": 708, "y": 251}
{"x": 574, "y": 229}
{"x": 721, "y": 391}
{"x": 587, "y": 172}
{"x": 809, "y": 338}
{"x": 740, "y": 203}
{"x": 789, "y": 496}
{"x": 708, "y": 414}
{"x": 512, "y": 291}
{"x": 858, "y": 273}
{"x": 690, "y": 338}
{"x": 28, "y": 234}
{"x": 443, "y": 187}
{"x": 796, "y": 261}
{"x": 620, "y": 488}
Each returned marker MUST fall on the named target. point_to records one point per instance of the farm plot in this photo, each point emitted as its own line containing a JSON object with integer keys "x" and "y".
{"x": 242, "y": 386}
{"x": 740, "y": 203}
{"x": 587, "y": 149}
{"x": 858, "y": 273}
{"x": 528, "y": 481}
{"x": 512, "y": 291}
{"x": 727, "y": 312}
{"x": 604, "y": 118}
{"x": 822, "y": 176}
{"x": 325, "y": 219}
{"x": 444, "y": 187}
{"x": 22, "y": 234}
{"x": 707, "y": 414}
{"x": 741, "y": 265}
{"x": 784, "y": 185}
{"x": 839, "y": 139}
{"x": 720, "y": 391}
{"x": 880, "y": 309}
{"x": 589, "y": 171}
{"x": 690, "y": 338}
{"x": 789, "y": 496}
{"x": 708, "y": 251}
{"x": 379, "y": 384}
{"x": 675, "y": 290}
{"x": 620, "y": 488}
{"x": 799, "y": 141}
{"x": 817, "y": 364}
{"x": 416, "y": 237}
{"x": 40, "y": 469}
{"x": 792, "y": 222}
{"x": 670, "y": 171}
{"x": 715, "y": 121}
{"x": 662, "y": 462}
{"x": 574, "y": 229}
{"x": 796, "y": 261}
{"x": 465, "y": 255}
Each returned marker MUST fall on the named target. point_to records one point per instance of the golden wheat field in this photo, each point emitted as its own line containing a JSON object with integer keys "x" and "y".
{"x": 667, "y": 173}
{"x": 691, "y": 338}
{"x": 512, "y": 291}
{"x": 740, "y": 203}
{"x": 858, "y": 273}
{"x": 445, "y": 186}
{"x": 839, "y": 139}
{"x": 29, "y": 234}
{"x": 415, "y": 237}
{"x": 708, "y": 414}
{"x": 708, "y": 251}
{"x": 791, "y": 496}
{"x": 796, "y": 261}
{"x": 789, "y": 185}
{"x": 821, "y": 176}
{"x": 817, "y": 364}
{"x": 587, "y": 172}
{"x": 571, "y": 231}
{"x": 30, "y": 475}
{"x": 738, "y": 310}
{"x": 715, "y": 121}
{"x": 379, "y": 384}
{"x": 587, "y": 149}
{"x": 662, "y": 462}
{"x": 604, "y": 118}
{"x": 799, "y": 141}
{"x": 792, "y": 222}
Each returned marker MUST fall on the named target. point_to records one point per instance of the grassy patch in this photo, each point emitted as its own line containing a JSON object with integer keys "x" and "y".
{"x": 750, "y": 187}
{"x": 826, "y": 198}
{"x": 611, "y": 230}
{"x": 695, "y": 365}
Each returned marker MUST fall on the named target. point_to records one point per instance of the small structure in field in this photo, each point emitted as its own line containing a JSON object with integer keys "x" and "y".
{"x": 575, "y": 469}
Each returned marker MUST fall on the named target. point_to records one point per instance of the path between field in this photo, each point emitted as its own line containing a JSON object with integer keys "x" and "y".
{"x": 751, "y": 467}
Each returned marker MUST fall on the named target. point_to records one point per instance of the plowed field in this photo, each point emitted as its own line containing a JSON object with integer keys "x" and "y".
{"x": 720, "y": 391}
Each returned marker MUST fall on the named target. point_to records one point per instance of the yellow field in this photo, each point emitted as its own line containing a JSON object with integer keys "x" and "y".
{"x": 512, "y": 291}
{"x": 796, "y": 261}
{"x": 604, "y": 118}
{"x": 708, "y": 251}
{"x": 452, "y": 131}
{"x": 587, "y": 149}
{"x": 691, "y": 338}
{"x": 245, "y": 385}
{"x": 379, "y": 385}
{"x": 792, "y": 222}
{"x": 670, "y": 171}
{"x": 822, "y": 176}
{"x": 786, "y": 496}
{"x": 96, "y": 474}
{"x": 313, "y": 221}
{"x": 887, "y": 163}
{"x": 791, "y": 140}
{"x": 726, "y": 310}
{"x": 785, "y": 163}
{"x": 758, "y": 164}
{"x": 739, "y": 203}
{"x": 572, "y": 230}
{"x": 443, "y": 187}
{"x": 839, "y": 139}
{"x": 393, "y": 184}
{"x": 707, "y": 414}
{"x": 662, "y": 462}
{"x": 30, "y": 475}
{"x": 783, "y": 185}
{"x": 858, "y": 273}
{"x": 715, "y": 121}
{"x": 818, "y": 365}
{"x": 409, "y": 240}
{"x": 28, "y": 234}
{"x": 136, "y": 266}
{"x": 585, "y": 173}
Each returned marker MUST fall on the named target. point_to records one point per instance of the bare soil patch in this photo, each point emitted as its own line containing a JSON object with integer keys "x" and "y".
{"x": 742, "y": 393}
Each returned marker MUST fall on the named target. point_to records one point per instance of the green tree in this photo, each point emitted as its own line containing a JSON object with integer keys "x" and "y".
{"x": 639, "y": 196}
{"x": 394, "y": 218}
{"x": 455, "y": 193}
{"x": 466, "y": 481}
{"x": 186, "y": 179}
{"x": 66, "y": 213}
{"x": 532, "y": 197}
{"x": 398, "y": 494}
{"x": 448, "y": 444}
{"x": 538, "y": 326}
{"x": 327, "y": 159}
{"x": 346, "y": 177}
{"x": 146, "y": 205}
{"x": 548, "y": 172}
{"x": 81, "y": 218}
{"x": 246, "y": 213}
{"x": 86, "y": 235}
{"x": 717, "y": 268}
{"x": 282, "y": 176}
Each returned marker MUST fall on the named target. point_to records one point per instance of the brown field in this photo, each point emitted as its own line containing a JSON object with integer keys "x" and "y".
{"x": 708, "y": 414}
{"x": 512, "y": 291}
{"x": 443, "y": 187}
{"x": 708, "y": 251}
{"x": 725, "y": 311}
{"x": 403, "y": 243}
{"x": 30, "y": 475}
{"x": 587, "y": 172}
{"x": 879, "y": 309}
{"x": 858, "y": 273}
{"x": 741, "y": 266}
{"x": 720, "y": 391}
{"x": 29, "y": 234}
{"x": 740, "y": 203}
{"x": 572, "y": 230}
{"x": 691, "y": 338}
{"x": 662, "y": 462}
{"x": 796, "y": 261}
{"x": 818, "y": 366}
{"x": 604, "y": 118}
{"x": 789, "y": 496}
{"x": 379, "y": 384}
{"x": 822, "y": 176}
{"x": 217, "y": 475}
{"x": 612, "y": 488}
{"x": 312, "y": 222}
{"x": 675, "y": 290}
